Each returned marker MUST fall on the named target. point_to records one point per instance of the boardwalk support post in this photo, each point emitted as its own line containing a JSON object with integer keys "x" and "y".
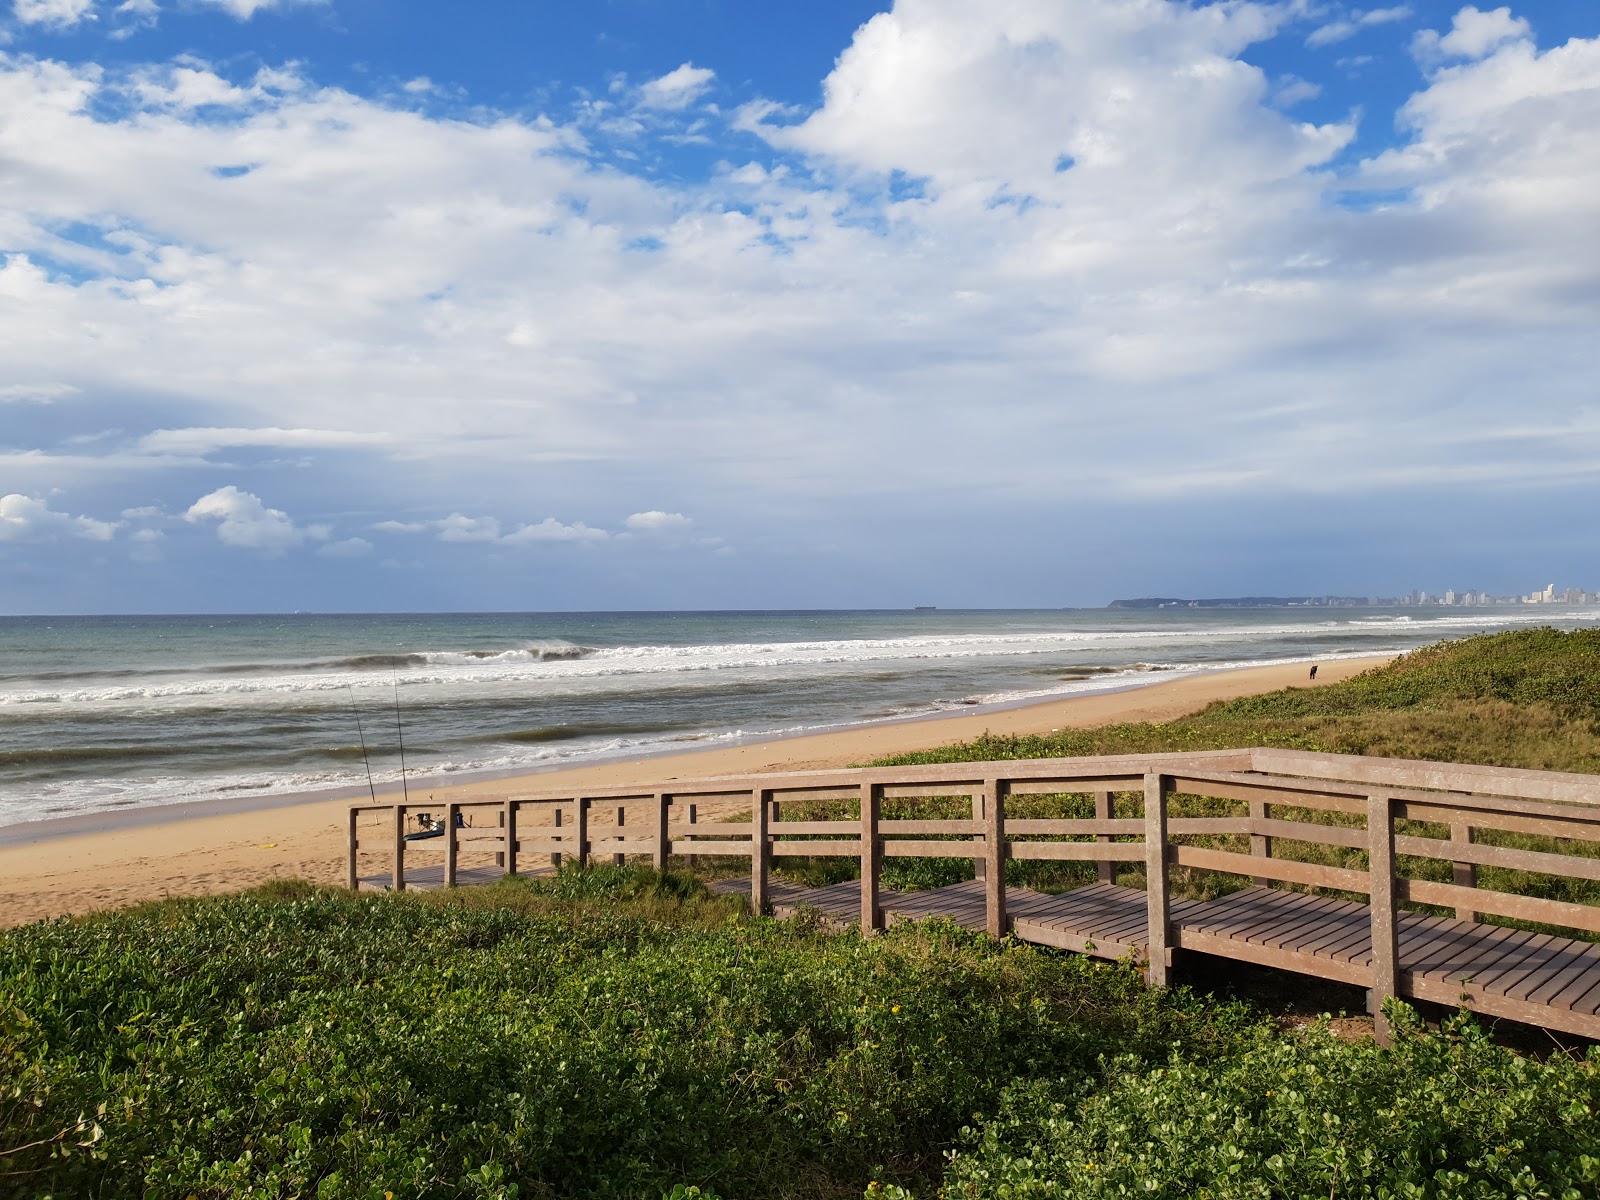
{"x": 663, "y": 840}
{"x": 622, "y": 822}
{"x": 397, "y": 881}
{"x": 581, "y": 832}
{"x": 555, "y": 822}
{"x": 1260, "y": 843}
{"x": 980, "y": 862}
{"x": 450, "y": 844}
{"x": 1463, "y": 874}
{"x": 760, "y": 851}
{"x": 351, "y": 878}
{"x": 994, "y": 850}
{"x": 509, "y": 820}
{"x": 871, "y": 858}
{"x": 1385, "y": 940}
{"x": 1105, "y": 872}
{"x": 692, "y": 818}
{"x": 1158, "y": 912}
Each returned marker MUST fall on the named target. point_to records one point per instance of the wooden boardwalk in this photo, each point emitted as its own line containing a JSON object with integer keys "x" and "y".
{"x": 1395, "y": 828}
{"x": 1510, "y": 973}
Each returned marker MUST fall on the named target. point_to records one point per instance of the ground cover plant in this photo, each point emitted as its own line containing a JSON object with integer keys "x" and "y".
{"x": 612, "y": 1032}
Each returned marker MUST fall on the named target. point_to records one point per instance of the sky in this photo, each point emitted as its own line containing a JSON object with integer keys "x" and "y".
{"x": 340, "y": 305}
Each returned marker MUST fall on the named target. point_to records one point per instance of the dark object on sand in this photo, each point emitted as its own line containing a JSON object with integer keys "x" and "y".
{"x": 1313, "y": 672}
{"x": 432, "y": 827}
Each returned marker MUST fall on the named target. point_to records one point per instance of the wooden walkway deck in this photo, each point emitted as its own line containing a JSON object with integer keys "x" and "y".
{"x": 1533, "y": 977}
{"x": 1324, "y": 827}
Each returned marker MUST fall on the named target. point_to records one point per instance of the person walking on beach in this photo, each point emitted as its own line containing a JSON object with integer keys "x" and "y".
{"x": 1313, "y": 672}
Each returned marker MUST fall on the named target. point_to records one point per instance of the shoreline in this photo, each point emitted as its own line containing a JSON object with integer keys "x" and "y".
{"x": 83, "y": 863}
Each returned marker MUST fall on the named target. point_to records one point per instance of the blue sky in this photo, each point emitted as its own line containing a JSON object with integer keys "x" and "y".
{"x": 637, "y": 304}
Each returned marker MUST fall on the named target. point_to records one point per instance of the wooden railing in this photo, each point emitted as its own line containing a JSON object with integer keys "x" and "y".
{"x": 1337, "y": 801}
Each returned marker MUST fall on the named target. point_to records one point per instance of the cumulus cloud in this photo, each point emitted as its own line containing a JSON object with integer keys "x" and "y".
{"x": 656, "y": 520}
{"x": 58, "y": 13}
{"x": 244, "y": 521}
{"x": 27, "y": 518}
{"x": 459, "y": 528}
{"x": 678, "y": 88}
{"x": 1473, "y": 34}
{"x": 35, "y": 393}
{"x": 348, "y": 548}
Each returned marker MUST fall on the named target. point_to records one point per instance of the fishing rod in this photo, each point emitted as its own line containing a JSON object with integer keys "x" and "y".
{"x": 405, "y": 793}
{"x": 362, "y": 734}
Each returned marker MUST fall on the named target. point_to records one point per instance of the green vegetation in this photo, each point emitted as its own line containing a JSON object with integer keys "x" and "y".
{"x": 616, "y": 1033}
{"x": 1529, "y": 698}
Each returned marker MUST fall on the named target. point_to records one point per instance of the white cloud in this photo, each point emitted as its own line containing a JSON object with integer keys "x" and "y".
{"x": 678, "y": 88}
{"x": 244, "y": 521}
{"x": 145, "y": 512}
{"x": 655, "y": 520}
{"x": 1348, "y": 26}
{"x": 552, "y": 530}
{"x": 348, "y": 548}
{"x": 1473, "y": 35}
{"x": 459, "y": 528}
{"x": 200, "y": 442}
{"x": 245, "y": 9}
{"x": 59, "y": 13}
{"x": 26, "y": 518}
{"x": 35, "y": 393}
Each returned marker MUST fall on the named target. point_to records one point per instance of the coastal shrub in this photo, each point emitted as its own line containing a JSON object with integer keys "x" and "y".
{"x": 1441, "y": 1116}
{"x": 504, "y": 1042}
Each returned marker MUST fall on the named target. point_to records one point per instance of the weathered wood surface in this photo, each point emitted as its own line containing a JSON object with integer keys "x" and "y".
{"x": 1510, "y": 973}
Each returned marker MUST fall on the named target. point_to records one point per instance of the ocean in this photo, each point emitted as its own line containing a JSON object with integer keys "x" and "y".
{"x": 104, "y": 713}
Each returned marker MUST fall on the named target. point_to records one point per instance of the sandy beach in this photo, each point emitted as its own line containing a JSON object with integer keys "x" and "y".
{"x": 204, "y": 852}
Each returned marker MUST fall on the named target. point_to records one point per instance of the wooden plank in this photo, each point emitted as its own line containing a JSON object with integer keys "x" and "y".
{"x": 1294, "y": 793}
{"x": 1581, "y": 995}
{"x": 352, "y": 877}
{"x": 1069, "y": 851}
{"x": 850, "y": 849}
{"x": 1308, "y": 831}
{"x": 1283, "y": 960}
{"x": 1260, "y": 841}
{"x": 1207, "y": 826}
{"x": 729, "y": 848}
{"x": 994, "y": 866}
{"x": 1464, "y": 873}
{"x": 907, "y": 848}
{"x": 761, "y": 847}
{"x": 1106, "y": 871}
{"x": 1524, "y": 908}
{"x": 508, "y": 822}
{"x": 397, "y": 876}
{"x": 1310, "y": 874}
{"x": 825, "y": 828}
{"x": 1413, "y": 773}
{"x": 871, "y": 859}
{"x": 934, "y": 828}
{"x": 663, "y": 839}
{"x": 1571, "y": 866}
{"x": 1074, "y": 786}
{"x": 1158, "y": 888}
{"x": 1073, "y": 826}
{"x": 1569, "y": 824}
{"x": 1385, "y": 939}
{"x": 1518, "y": 978}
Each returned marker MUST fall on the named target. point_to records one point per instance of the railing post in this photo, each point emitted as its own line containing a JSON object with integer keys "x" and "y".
{"x": 994, "y": 850}
{"x": 1463, "y": 874}
{"x": 1105, "y": 872}
{"x": 581, "y": 831}
{"x": 760, "y": 852}
{"x": 555, "y": 824}
{"x": 871, "y": 859}
{"x": 509, "y": 820}
{"x": 351, "y": 878}
{"x": 1158, "y": 905}
{"x": 1260, "y": 843}
{"x": 1385, "y": 940}
{"x": 663, "y": 841}
{"x": 981, "y": 862}
{"x": 622, "y": 820}
{"x": 450, "y": 847}
{"x": 397, "y": 880}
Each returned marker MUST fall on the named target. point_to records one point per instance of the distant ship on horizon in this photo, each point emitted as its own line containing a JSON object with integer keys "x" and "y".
{"x": 926, "y": 608}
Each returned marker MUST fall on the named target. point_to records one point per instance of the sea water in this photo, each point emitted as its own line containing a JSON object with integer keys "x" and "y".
{"x": 100, "y": 713}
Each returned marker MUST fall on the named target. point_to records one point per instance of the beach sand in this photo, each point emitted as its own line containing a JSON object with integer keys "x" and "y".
{"x": 80, "y": 872}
